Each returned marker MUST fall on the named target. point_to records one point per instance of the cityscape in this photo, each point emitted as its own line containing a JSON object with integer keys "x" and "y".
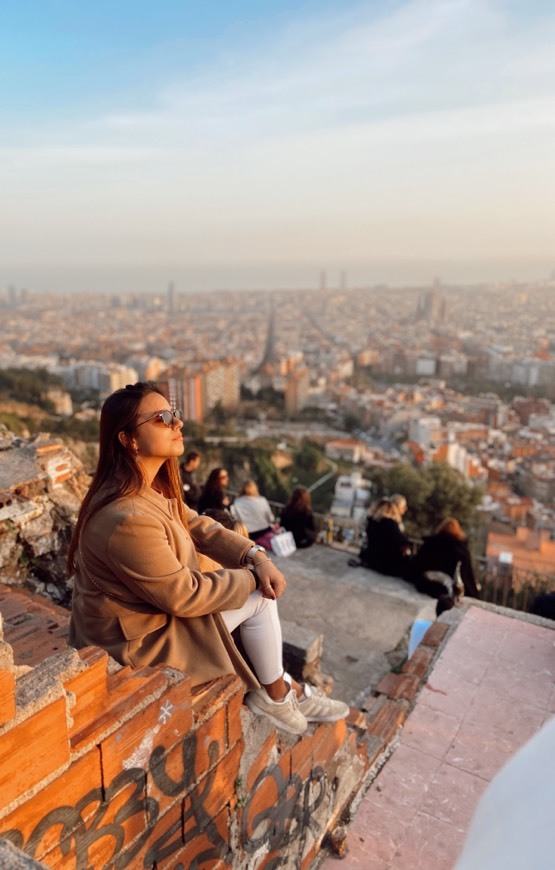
{"x": 324, "y": 232}
{"x": 462, "y": 375}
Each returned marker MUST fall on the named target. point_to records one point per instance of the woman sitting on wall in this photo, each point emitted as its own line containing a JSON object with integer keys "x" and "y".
{"x": 214, "y": 494}
{"x": 253, "y": 510}
{"x": 387, "y": 548}
{"x": 442, "y": 552}
{"x": 139, "y": 591}
{"x": 297, "y": 517}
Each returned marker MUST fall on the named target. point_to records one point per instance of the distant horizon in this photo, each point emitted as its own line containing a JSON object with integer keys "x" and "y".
{"x": 233, "y": 277}
{"x": 239, "y": 144}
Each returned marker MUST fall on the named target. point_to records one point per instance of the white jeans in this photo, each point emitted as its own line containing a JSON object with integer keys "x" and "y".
{"x": 260, "y": 629}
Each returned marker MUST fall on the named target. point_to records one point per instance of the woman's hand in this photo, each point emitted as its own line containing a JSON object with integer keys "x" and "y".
{"x": 271, "y": 581}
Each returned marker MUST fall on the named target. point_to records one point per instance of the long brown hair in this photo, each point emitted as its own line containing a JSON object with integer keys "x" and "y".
{"x": 451, "y": 526}
{"x": 299, "y": 501}
{"x": 117, "y": 473}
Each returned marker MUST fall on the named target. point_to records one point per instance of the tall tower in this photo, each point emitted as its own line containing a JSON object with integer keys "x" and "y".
{"x": 172, "y": 301}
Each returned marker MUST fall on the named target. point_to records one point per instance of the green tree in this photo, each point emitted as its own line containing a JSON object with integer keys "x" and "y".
{"x": 308, "y": 457}
{"x": 432, "y": 493}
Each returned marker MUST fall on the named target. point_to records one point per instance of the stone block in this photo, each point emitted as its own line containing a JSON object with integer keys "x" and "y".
{"x": 302, "y": 650}
{"x": 12, "y": 859}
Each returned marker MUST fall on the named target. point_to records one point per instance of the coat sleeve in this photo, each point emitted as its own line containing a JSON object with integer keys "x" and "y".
{"x": 143, "y": 560}
{"x": 221, "y": 544}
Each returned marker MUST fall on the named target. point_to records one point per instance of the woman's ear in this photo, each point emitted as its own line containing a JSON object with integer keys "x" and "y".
{"x": 124, "y": 439}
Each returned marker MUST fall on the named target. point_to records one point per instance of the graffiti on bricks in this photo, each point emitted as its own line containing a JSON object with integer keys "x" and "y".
{"x": 288, "y": 817}
{"x": 125, "y": 806}
{"x": 78, "y": 833}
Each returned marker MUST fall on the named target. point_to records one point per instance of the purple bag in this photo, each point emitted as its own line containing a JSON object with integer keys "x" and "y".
{"x": 265, "y": 540}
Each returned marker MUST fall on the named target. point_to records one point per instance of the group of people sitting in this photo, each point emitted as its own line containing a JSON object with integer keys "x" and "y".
{"x": 442, "y": 565}
{"x": 250, "y": 512}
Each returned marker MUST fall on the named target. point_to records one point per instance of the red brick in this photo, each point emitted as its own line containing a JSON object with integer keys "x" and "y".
{"x": 176, "y": 772}
{"x": 102, "y": 700}
{"x": 210, "y": 742}
{"x": 265, "y": 759}
{"x": 359, "y": 748}
{"x": 387, "y": 720}
{"x": 7, "y": 696}
{"x": 420, "y": 661}
{"x": 117, "y": 820}
{"x": 261, "y": 801}
{"x": 302, "y": 751}
{"x": 33, "y": 749}
{"x": 234, "y": 726}
{"x": 12, "y": 605}
{"x": 334, "y": 736}
{"x": 286, "y": 763}
{"x": 435, "y": 634}
{"x": 357, "y": 719}
{"x": 160, "y": 842}
{"x": 310, "y": 856}
{"x": 399, "y": 686}
{"x": 207, "y": 842}
{"x": 387, "y": 683}
{"x": 124, "y": 810}
{"x": 158, "y": 726}
{"x": 212, "y": 695}
{"x": 222, "y": 781}
{"x": 80, "y": 784}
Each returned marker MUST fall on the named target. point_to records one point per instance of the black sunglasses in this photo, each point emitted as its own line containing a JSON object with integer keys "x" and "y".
{"x": 166, "y": 417}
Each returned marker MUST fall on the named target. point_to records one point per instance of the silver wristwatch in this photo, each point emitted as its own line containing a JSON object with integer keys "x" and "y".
{"x": 249, "y": 559}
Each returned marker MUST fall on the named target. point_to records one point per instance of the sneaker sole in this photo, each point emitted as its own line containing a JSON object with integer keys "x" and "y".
{"x": 335, "y": 718}
{"x": 277, "y": 722}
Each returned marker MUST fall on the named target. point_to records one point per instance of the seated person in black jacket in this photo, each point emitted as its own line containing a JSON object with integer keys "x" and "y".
{"x": 297, "y": 517}
{"x": 387, "y": 548}
{"x": 442, "y": 551}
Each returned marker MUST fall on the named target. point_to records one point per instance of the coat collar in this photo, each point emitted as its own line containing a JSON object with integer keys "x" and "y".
{"x": 168, "y": 505}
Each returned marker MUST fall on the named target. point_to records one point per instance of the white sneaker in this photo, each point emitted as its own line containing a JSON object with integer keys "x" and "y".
{"x": 317, "y": 707}
{"x": 284, "y": 714}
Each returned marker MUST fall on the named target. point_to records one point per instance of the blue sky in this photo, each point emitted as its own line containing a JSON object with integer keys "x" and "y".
{"x": 257, "y": 143}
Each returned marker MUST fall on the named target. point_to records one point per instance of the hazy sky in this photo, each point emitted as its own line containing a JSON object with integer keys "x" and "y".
{"x": 265, "y": 140}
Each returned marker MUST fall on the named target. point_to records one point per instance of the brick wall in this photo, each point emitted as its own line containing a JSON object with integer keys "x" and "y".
{"x": 105, "y": 767}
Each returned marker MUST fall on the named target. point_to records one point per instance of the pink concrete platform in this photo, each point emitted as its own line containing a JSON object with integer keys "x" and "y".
{"x": 490, "y": 690}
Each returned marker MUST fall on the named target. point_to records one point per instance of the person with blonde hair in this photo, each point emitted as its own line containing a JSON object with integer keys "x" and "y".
{"x": 442, "y": 552}
{"x": 253, "y": 510}
{"x": 387, "y": 548}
